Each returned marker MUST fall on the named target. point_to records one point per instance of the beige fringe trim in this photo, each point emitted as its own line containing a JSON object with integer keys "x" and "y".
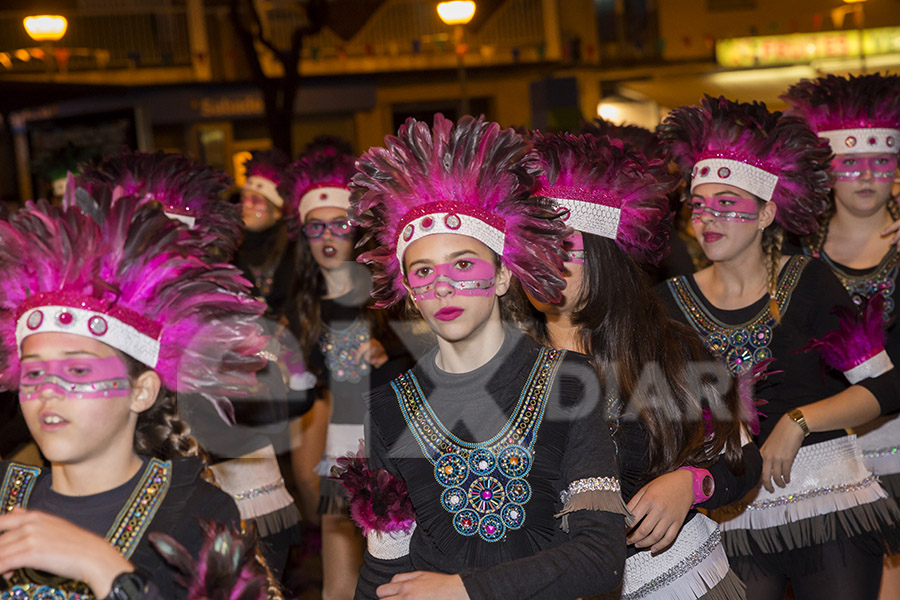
{"x": 607, "y": 501}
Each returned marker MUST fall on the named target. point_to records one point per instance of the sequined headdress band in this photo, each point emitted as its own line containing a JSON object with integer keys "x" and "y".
{"x": 450, "y": 217}
{"x": 585, "y": 209}
{"x": 864, "y": 140}
{"x": 86, "y": 316}
{"x": 749, "y": 178}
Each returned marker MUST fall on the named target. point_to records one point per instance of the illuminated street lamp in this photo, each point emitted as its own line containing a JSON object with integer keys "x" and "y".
{"x": 457, "y": 14}
{"x": 46, "y": 28}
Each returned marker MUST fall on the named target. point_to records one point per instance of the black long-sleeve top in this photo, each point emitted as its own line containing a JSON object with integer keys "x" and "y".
{"x": 539, "y": 560}
{"x": 187, "y": 499}
{"x": 807, "y": 293}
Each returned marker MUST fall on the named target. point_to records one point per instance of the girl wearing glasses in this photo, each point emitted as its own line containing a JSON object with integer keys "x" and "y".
{"x": 821, "y": 521}
{"x": 345, "y": 346}
{"x": 857, "y": 235}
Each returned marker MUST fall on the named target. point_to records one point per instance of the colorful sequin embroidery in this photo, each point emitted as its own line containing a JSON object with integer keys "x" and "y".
{"x": 126, "y": 532}
{"x": 339, "y": 347}
{"x": 485, "y": 484}
{"x": 882, "y": 278}
{"x": 740, "y": 346}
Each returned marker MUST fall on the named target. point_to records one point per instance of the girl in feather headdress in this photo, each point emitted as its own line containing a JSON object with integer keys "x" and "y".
{"x": 242, "y": 454}
{"x": 108, "y": 310}
{"x": 822, "y": 521}
{"x": 268, "y": 250}
{"x": 348, "y": 346}
{"x": 501, "y": 443}
{"x": 860, "y": 118}
{"x": 671, "y": 458}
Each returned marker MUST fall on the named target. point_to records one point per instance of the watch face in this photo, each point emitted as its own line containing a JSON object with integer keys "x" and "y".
{"x": 707, "y": 485}
{"x": 128, "y": 586}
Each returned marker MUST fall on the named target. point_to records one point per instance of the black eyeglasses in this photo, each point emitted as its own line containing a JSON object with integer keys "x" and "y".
{"x": 316, "y": 229}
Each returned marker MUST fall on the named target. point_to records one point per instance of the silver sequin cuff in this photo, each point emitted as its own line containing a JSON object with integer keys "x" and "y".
{"x": 591, "y": 484}
{"x": 875, "y": 366}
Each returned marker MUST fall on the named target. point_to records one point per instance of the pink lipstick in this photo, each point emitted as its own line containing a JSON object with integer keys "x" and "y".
{"x": 711, "y": 236}
{"x": 448, "y": 313}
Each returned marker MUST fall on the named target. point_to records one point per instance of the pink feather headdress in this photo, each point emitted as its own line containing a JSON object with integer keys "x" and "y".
{"x": 607, "y": 190}
{"x": 187, "y": 191}
{"x": 266, "y": 170}
{"x": 859, "y": 114}
{"x": 469, "y": 178}
{"x": 776, "y": 158}
{"x": 637, "y": 137}
{"x": 125, "y": 274}
{"x": 320, "y": 178}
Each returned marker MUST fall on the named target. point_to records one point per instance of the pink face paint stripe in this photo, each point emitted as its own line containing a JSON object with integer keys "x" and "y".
{"x": 75, "y": 378}
{"x": 574, "y": 246}
{"x": 726, "y": 208}
{"x": 860, "y": 164}
{"x": 475, "y": 280}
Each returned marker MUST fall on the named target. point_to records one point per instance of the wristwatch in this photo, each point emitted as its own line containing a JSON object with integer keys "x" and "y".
{"x": 797, "y": 417}
{"x": 703, "y": 483}
{"x": 128, "y": 586}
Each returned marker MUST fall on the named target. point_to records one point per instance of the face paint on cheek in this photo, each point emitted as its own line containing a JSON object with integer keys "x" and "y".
{"x": 574, "y": 246}
{"x": 851, "y": 169}
{"x": 88, "y": 378}
{"x": 725, "y": 208}
{"x": 476, "y": 279}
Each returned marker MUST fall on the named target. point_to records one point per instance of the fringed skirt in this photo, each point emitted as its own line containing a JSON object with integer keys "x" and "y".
{"x": 694, "y": 566}
{"x": 880, "y": 443}
{"x": 342, "y": 440}
{"x": 255, "y": 482}
{"x": 832, "y": 496}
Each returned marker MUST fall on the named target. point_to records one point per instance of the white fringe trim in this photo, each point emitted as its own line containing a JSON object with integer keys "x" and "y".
{"x": 389, "y": 546}
{"x": 688, "y": 569}
{"x": 826, "y": 478}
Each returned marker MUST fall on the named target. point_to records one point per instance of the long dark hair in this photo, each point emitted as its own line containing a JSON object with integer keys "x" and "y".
{"x": 649, "y": 361}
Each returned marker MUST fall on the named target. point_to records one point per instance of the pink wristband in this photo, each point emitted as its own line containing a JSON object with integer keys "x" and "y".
{"x": 702, "y": 481}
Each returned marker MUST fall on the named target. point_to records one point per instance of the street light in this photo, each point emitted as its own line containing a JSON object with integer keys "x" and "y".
{"x": 46, "y": 28}
{"x": 457, "y": 14}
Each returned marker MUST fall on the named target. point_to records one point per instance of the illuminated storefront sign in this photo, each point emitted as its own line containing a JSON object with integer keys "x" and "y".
{"x": 769, "y": 50}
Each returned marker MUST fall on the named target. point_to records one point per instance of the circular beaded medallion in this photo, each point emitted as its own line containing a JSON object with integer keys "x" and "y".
{"x": 514, "y": 461}
{"x": 739, "y": 337}
{"x": 451, "y": 470}
{"x": 761, "y": 336}
{"x": 453, "y": 499}
{"x": 491, "y": 528}
{"x": 486, "y": 495}
{"x": 518, "y": 491}
{"x": 513, "y": 515}
{"x": 466, "y": 522}
{"x": 482, "y": 461}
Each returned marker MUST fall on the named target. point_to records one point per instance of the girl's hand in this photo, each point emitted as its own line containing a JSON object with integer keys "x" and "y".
{"x": 372, "y": 352}
{"x": 779, "y": 451}
{"x": 424, "y": 585}
{"x": 37, "y": 540}
{"x": 893, "y": 230}
{"x": 662, "y": 504}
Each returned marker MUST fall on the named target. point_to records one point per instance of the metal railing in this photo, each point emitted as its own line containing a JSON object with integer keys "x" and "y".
{"x": 107, "y": 38}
